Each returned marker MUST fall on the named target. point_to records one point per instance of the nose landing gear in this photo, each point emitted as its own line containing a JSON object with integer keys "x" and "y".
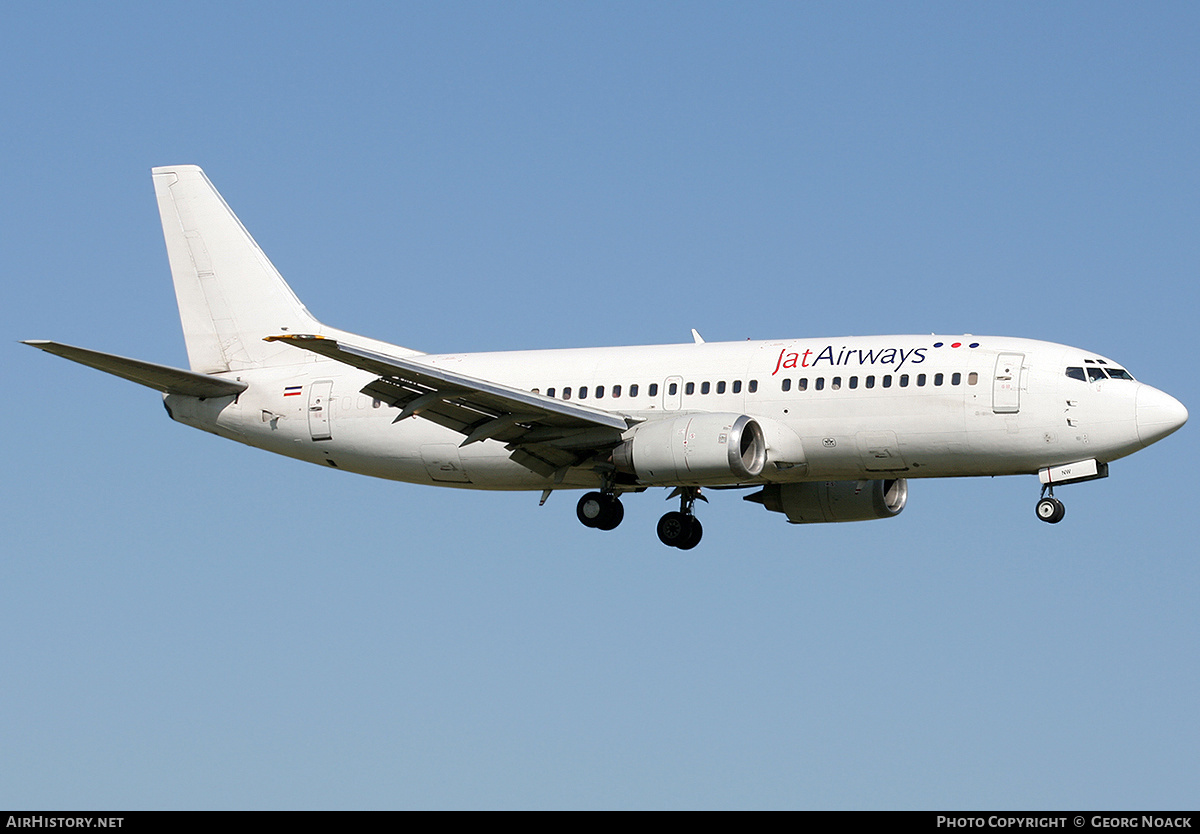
{"x": 682, "y": 529}
{"x": 1050, "y": 509}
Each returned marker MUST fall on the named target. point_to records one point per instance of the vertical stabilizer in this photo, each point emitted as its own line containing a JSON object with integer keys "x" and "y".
{"x": 230, "y": 295}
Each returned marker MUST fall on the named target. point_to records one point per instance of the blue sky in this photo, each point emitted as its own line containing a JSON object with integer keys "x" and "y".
{"x": 189, "y": 623}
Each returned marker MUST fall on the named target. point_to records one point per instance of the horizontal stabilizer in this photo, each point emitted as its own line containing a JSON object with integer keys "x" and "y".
{"x": 159, "y": 377}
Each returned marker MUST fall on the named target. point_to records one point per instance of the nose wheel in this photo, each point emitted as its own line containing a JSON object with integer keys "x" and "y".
{"x": 682, "y": 529}
{"x": 1050, "y": 509}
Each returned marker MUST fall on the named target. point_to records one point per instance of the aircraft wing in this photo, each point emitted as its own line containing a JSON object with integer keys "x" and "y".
{"x": 159, "y": 377}
{"x": 543, "y": 434}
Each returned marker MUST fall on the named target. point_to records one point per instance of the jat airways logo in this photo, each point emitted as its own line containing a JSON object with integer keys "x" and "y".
{"x": 848, "y": 356}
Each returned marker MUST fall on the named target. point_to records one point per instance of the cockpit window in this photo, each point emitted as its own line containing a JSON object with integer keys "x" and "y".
{"x": 1095, "y": 374}
{"x": 1076, "y": 373}
{"x": 1119, "y": 373}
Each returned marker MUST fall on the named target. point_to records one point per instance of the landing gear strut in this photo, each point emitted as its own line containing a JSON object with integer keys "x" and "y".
{"x": 1049, "y": 508}
{"x": 601, "y": 510}
{"x": 682, "y": 529}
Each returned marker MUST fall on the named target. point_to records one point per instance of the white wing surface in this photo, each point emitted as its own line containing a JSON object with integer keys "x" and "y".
{"x": 544, "y": 435}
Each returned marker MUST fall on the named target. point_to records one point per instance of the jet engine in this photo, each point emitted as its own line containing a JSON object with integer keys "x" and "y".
{"x": 693, "y": 448}
{"x": 817, "y": 502}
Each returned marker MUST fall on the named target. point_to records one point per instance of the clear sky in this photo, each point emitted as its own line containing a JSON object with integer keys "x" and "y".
{"x": 189, "y": 623}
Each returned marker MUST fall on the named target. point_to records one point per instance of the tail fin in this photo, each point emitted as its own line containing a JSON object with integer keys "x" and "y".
{"x": 230, "y": 296}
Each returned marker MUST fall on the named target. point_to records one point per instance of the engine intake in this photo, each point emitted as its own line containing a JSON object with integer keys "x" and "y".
{"x": 694, "y": 448}
{"x": 818, "y": 502}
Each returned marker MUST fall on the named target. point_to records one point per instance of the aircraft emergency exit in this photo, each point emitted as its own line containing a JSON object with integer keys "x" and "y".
{"x": 823, "y": 430}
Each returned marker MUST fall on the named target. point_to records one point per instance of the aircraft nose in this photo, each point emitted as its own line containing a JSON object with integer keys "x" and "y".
{"x": 1158, "y": 414}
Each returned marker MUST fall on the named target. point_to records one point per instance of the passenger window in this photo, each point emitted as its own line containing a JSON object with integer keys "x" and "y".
{"x": 870, "y": 382}
{"x": 550, "y": 393}
{"x": 1076, "y": 373}
{"x": 836, "y": 385}
{"x": 972, "y": 378}
{"x": 956, "y": 379}
{"x": 721, "y": 387}
{"x": 753, "y": 386}
{"x": 673, "y": 389}
{"x": 820, "y": 385}
{"x": 599, "y": 392}
{"x": 583, "y": 392}
{"x": 567, "y": 393}
{"x": 920, "y": 380}
{"x": 633, "y": 389}
{"x": 376, "y": 403}
{"x": 737, "y": 386}
{"x": 938, "y": 379}
{"x": 853, "y": 382}
{"x": 616, "y": 392}
{"x": 653, "y": 389}
{"x": 802, "y": 384}
{"x": 903, "y": 380}
{"x": 786, "y": 385}
{"x": 704, "y": 386}
{"x": 690, "y": 388}
{"x": 887, "y": 380}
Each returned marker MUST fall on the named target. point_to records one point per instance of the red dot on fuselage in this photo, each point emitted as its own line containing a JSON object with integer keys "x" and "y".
{"x": 956, "y": 344}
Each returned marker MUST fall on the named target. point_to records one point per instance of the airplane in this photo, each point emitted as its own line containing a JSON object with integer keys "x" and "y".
{"x": 824, "y": 430}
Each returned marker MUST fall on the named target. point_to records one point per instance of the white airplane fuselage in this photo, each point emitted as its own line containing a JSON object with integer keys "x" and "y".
{"x": 928, "y": 412}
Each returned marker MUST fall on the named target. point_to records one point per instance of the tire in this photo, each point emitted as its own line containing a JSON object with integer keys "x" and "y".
{"x": 590, "y": 509}
{"x": 673, "y": 529}
{"x": 614, "y": 512}
{"x": 1051, "y": 510}
{"x": 695, "y": 532}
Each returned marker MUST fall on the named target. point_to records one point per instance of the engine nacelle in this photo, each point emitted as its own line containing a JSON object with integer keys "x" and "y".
{"x": 694, "y": 448}
{"x": 817, "y": 502}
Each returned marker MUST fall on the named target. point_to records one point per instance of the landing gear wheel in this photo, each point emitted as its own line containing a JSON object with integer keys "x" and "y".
{"x": 679, "y": 530}
{"x": 1051, "y": 510}
{"x": 673, "y": 528}
{"x": 694, "y": 535}
{"x": 614, "y": 512}
{"x": 590, "y": 509}
{"x": 603, "y": 512}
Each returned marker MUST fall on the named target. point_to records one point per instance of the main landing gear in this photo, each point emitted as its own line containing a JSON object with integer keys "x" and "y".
{"x": 1049, "y": 508}
{"x": 682, "y": 529}
{"x": 602, "y": 510}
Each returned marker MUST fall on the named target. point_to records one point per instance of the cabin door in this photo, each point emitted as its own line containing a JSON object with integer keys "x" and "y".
{"x": 320, "y": 396}
{"x": 1006, "y": 383}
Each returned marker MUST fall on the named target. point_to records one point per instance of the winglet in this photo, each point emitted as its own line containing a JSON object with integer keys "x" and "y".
{"x": 696, "y": 337}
